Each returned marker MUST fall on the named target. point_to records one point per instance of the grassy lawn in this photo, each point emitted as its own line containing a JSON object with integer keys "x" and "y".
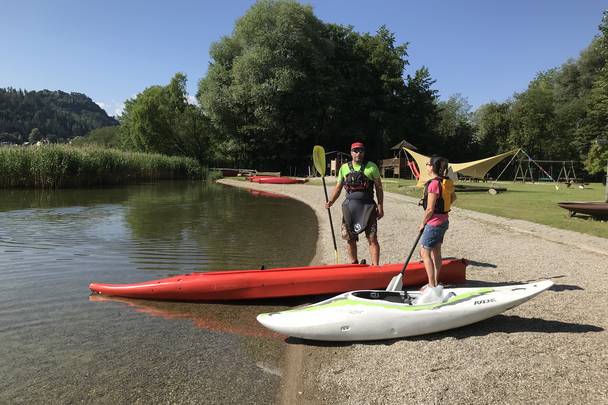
{"x": 531, "y": 202}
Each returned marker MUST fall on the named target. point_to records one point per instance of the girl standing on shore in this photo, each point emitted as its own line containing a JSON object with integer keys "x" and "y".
{"x": 438, "y": 197}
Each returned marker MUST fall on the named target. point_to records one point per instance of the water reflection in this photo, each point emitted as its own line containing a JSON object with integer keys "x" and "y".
{"x": 58, "y": 346}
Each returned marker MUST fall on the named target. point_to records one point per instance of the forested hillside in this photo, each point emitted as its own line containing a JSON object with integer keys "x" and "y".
{"x": 57, "y": 116}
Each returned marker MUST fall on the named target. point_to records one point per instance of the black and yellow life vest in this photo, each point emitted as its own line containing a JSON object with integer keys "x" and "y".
{"x": 444, "y": 202}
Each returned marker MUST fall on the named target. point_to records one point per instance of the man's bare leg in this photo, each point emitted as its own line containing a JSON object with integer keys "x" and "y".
{"x": 351, "y": 248}
{"x": 374, "y": 250}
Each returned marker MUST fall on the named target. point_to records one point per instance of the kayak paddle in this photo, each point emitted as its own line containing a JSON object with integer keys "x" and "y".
{"x": 396, "y": 283}
{"x": 318, "y": 158}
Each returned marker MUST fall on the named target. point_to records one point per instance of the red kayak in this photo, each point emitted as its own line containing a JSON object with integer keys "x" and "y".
{"x": 275, "y": 180}
{"x": 279, "y": 282}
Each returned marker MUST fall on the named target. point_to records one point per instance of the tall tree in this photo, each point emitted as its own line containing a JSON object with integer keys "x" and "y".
{"x": 160, "y": 119}
{"x": 493, "y": 125}
{"x": 595, "y": 124}
{"x": 455, "y": 130}
{"x": 421, "y": 111}
{"x": 285, "y": 80}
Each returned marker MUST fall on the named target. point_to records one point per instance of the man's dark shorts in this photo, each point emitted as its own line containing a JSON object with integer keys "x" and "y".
{"x": 371, "y": 231}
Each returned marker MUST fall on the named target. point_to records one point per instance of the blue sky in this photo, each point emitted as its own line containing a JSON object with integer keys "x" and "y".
{"x": 111, "y": 50}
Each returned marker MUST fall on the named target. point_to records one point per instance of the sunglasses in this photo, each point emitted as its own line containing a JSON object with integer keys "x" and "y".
{"x": 358, "y": 150}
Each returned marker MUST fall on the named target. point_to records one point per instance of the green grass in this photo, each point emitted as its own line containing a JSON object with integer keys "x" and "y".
{"x": 59, "y": 166}
{"x": 531, "y": 202}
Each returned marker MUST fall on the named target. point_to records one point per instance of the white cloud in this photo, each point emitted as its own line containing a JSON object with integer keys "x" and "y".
{"x": 119, "y": 109}
{"x": 101, "y": 104}
{"x": 192, "y": 100}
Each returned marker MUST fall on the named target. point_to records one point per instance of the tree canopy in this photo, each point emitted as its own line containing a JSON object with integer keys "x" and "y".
{"x": 560, "y": 116}
{"x": 284, "y": 80}
{"x": 161, "y": 120}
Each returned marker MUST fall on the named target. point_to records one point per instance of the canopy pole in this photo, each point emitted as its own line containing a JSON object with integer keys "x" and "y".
{"x": 503, "y": 170}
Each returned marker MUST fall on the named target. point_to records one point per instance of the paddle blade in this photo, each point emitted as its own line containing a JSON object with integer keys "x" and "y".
{"x": 318, "y": 158}
{"x": 396, "y": 283}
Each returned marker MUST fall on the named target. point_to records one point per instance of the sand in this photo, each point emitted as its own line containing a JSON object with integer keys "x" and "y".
{"x": 551, "y": 349}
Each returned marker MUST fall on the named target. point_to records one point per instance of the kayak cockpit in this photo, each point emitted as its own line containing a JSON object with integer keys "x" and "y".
{"x": 390, "y": 296}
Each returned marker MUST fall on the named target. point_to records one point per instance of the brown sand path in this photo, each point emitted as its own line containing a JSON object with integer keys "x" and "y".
{"x": 552, "y": 349}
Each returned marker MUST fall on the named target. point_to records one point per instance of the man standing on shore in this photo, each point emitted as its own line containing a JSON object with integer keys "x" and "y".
{"x": 360, "y": 213}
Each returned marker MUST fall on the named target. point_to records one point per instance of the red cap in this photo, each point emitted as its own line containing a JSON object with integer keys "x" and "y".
{"x": 357, "y": 145}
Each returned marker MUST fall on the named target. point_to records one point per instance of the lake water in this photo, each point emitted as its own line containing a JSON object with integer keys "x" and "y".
{"x": 58, "y": 344}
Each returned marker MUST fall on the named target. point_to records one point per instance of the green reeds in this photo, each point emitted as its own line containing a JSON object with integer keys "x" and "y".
{"x": 59, "y": 166}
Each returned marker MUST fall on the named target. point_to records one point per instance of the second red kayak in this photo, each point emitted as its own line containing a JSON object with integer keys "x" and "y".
{"x": 275, "y": 180}
{"x": 279, "y": 282}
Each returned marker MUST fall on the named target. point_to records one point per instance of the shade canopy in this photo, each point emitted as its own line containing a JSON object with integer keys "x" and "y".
{"x": 476, "y": 168}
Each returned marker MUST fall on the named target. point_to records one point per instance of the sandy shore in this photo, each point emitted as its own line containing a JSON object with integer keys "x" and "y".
{"x": 549, "y": 350}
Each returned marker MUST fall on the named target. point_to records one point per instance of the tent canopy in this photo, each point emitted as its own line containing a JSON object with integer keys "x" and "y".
{"x": 476, "y": 168}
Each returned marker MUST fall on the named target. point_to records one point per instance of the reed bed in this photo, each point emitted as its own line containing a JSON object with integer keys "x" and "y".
{"x": 63, "y": 166}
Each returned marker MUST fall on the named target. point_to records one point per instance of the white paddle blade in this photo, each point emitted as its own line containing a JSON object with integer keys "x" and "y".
{"x": 396, "y": 283}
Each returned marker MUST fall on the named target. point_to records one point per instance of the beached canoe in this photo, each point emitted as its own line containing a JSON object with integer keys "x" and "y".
{"x": 279, "y": 282}
{"x": 593, "y": 208}
{"x": 374, "y": 315}
{"x": 276, "y": 180}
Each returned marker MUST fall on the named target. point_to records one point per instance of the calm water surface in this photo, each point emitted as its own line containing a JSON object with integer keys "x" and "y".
{"x": 59, "y": 344}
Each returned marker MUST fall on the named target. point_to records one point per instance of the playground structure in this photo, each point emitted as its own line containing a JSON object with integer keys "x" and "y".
{"x": 525, "y": 171}
{"x": 400, "y": 164}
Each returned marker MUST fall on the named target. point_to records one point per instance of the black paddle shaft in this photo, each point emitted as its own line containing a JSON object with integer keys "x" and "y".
{"x": 410, "y": 255}
{"x": 331, "y": 224}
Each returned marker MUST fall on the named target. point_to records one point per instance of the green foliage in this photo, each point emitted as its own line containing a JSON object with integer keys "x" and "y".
{"x": 493, "y": 123}
{"x": 455, "y": 129}
{"x": 421, "y": 111}
{"x": 595, "y": 124}
{"x": 35, "y": 135}
{"x": 560, "y": 114}
{"x": 57, "y": 166}
{"x": 108, "y": 137}
{"x": 56, "y": 114}
{"x": 284, "y": 80}
{"x": 597, "y": 159}
{"x": 160, "y": 120}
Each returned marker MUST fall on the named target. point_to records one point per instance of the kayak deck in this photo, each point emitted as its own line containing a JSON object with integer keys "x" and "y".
{"x": 374, "y": 315}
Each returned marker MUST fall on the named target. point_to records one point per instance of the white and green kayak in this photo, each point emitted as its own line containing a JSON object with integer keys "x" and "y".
{"x": 374, "y": 315}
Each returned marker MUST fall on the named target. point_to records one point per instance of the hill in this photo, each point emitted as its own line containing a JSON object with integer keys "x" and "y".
{"x": 58, "y": 116}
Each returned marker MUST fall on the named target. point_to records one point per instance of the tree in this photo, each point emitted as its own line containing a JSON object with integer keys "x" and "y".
{"x": 455, "y": 130}
{"x": 108, "y": 137}
{"x": 421, "y": 111}
{"x": 35, "y": 135}
{"x": 595, "y": 124}
{"x": 284, "y": 80}
{"x": 161, "y": 120}
{"x": 597, "y": 159}
{"x": 493, "y": 123}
